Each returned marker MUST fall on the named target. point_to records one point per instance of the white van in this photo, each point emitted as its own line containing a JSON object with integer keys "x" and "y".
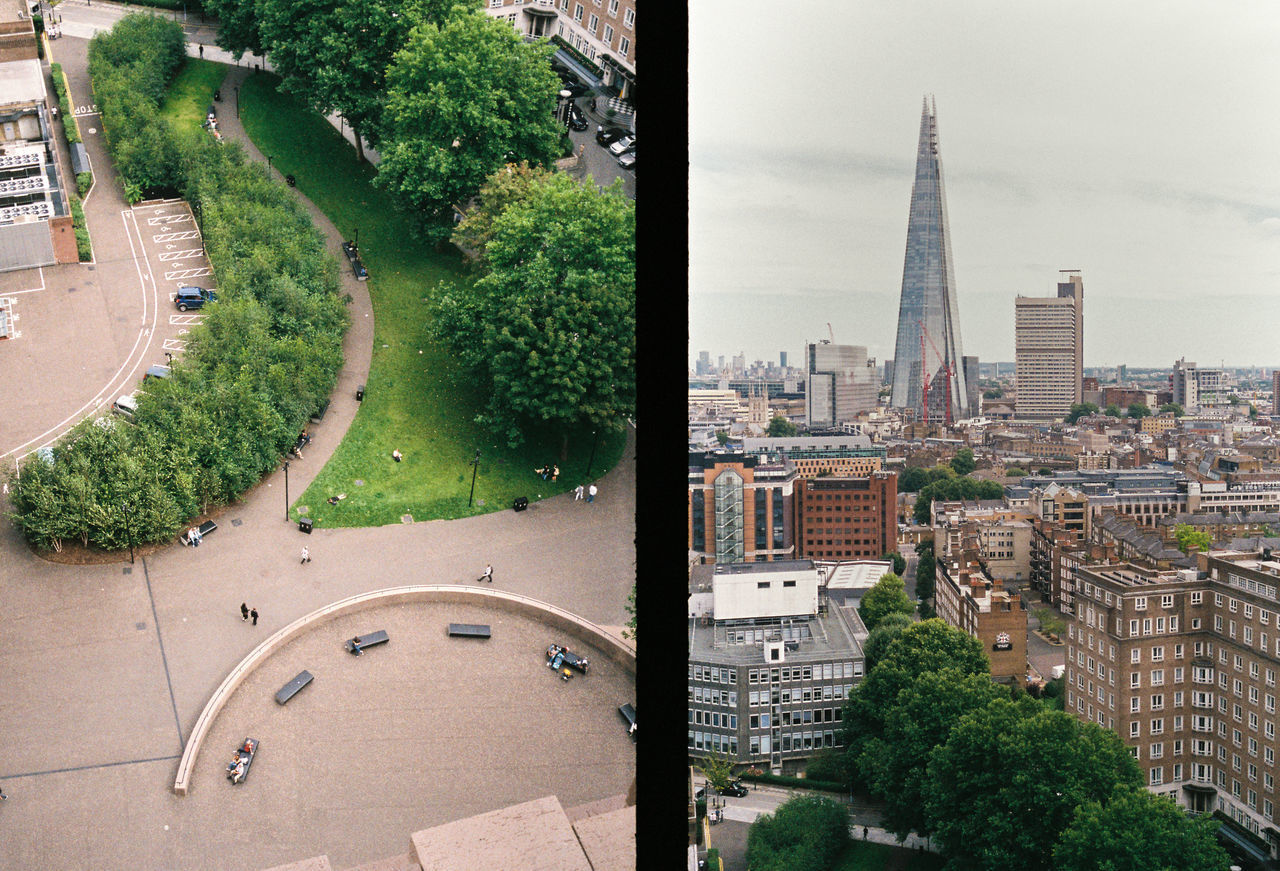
{"x": 126, "y": 406}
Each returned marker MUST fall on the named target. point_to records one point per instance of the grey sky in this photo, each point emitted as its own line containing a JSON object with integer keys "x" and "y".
{"x": 1138, "y": 142}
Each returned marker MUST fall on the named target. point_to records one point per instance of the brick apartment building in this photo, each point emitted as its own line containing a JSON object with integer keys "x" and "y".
{"x": 967, "y": 597}
{"x": 846, "y": 518}
{"x": 1182, "y": 666}
{"x": 600, "y": 35}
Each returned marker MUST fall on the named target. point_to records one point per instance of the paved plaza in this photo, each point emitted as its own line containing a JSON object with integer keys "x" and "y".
{"x": 106, "y": 668}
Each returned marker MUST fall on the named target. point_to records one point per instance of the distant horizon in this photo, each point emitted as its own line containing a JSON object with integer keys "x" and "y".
{"x": 1267, "y": 369}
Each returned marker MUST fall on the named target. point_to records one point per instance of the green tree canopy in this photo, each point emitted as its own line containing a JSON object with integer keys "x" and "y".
{"x": 993, "y": 393}
{"x": 806, "y": 832}
{"x": 920, "y": 719}
{"x": 963, "y": 462}
{"x": 552, "y": 324}
{"x": 1189, "y": 538}
{"x": 514, "y": 183}
{"x": 899, "y": 562}
{"x": 885, "y": 633}
{"x": 953, "y": 489}
{"x": 1005, "y": 785}
{"x": 1173, "y": 407}
{"x": 722, "y": 436}
{"x": 1113, "y": 410}
{"x": 926, "y": 571}
{"x": 1139, "y": 410}
{"x": 463, "y": 99}
{"x": 780, "y": 427}
{"x": 1079, "y": 410}
{"x": 888, "y": 596}
{"x": 1135, "y": 830}
{"x": 717, "y": 768}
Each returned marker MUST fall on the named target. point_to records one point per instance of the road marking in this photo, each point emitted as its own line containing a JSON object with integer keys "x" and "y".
{"x": 187, "y": 273}
{"x": 175, "y": 255}
{"x": 178, "y": 320}
{"x": 167, "y": 237}
{"x": 173, "y": 345}
{"x": 170, "y": 219}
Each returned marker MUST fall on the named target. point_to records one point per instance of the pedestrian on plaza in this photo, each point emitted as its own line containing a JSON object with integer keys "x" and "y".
{"x": 864, "y": 833}
{"x": 3, "y": 797}
{"x": 202, "y": 51}
{"x": 577, "y": 493}
{"x": 591, "y": 493}
{"x": 306, "y": 555}
{"x": 254, "y": 615}
{"x": 487, "y": 576}
{"x": 244, "y": 611}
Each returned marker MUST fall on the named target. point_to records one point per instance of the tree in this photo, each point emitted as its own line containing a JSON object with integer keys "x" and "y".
{"x": 1006, "y": 783}
{"x": 1079, "y": 410}
{"x": 1172, "y": 407}
{"x": 1190, "y": 538}
{"x": 514, "y": 183}
{"x": 806, "y": 832}
{"x": 463, "y": 99}
{"x": 827, "y": 766}
{"x": 1050, "y": 622}
{"x": 780, "y": 427}
{"x": 1138, "y": 410}
{"x": 926, "y": 571}
{"x": 963, "y": 461}
{"x": 885, "y": 633}
{"x": 551, "y": 326}
{"x": 718, "y": 769}
{"x": 911, "y": 479}
{"x": 1113, "y": 410}
{"x": 1135, "y": 830}
{"x": 1014, "y": 472}
{"x": 948, "y": 489}
{"x": 920, "y": 719}
{"x": 899, "y": 562}
{"x": 722, "y": 436}
{"x": 888, "y": 596}
{"x": 993, "y": 393}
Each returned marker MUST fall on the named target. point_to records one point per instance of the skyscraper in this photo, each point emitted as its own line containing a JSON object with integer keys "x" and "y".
{"x": 928, "y": 358}
{"x": 1048, "y": 341}
{"x": 841, "y": 384}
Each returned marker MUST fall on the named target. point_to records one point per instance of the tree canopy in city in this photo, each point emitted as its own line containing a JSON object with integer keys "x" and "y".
{"x": 551, "y": 325}
{"x": 1139, "y": 410}
{"x": 806, "y": 832}
{"x": 951, "y": 489}
{"x": 1079, "y": 410}
{"x": 464, "y": 98}
{"x": 780, "y": 427}
{"x": 1005, "y": 785}
{"x": 963, "y": 462}
{"x": 1189, "y": 538}
{"x": 1172, "y": 408}
{"x": 887, "y": 596}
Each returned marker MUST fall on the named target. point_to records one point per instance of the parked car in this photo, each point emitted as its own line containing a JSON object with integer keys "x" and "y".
{"x": 623, "y": 145}
{"x": 735, "y": 789}
{"x": 609, "y": 135}
{"x": 627, "y": 161}
{"x": 577, "y": 120}
{"x": 157, "y": 371}
{"x": 192, "y": 298}
{"x": 126, "y": 406}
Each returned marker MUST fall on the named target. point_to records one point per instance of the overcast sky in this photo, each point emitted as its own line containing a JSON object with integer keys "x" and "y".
{"x": 1138, "y": 142}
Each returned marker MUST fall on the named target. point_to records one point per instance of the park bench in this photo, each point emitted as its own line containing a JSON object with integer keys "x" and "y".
{"x": 469, "y": 630}
{"x": 291, "y": 689}
{"x": 205, "y": 528}
{"x": 357, "y": 645}
{"x": 628, "y": 714}
{"x": 319, "y": 415}
{"x": 357, "y": 266}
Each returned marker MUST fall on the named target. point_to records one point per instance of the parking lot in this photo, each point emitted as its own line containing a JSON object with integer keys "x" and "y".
{"x": 115, "y": 317}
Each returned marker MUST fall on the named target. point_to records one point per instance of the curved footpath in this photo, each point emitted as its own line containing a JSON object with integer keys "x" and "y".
{"x": 107, "y": 667}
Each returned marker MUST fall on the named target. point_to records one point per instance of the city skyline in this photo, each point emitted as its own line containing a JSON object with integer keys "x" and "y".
{"x": 1147, "y": 167}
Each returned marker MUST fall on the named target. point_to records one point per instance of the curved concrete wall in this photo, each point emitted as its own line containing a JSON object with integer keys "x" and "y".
{"x": 549, "y": 614}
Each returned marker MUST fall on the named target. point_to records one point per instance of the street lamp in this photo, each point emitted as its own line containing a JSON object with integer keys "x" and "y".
{"x": 237, "y": 90}
{"x": 475, "y": 467}
{"x": 356, "y": 243}
{"x": 128, "y": 530}
{"x": 268, "y": 164}
{"x": 286, "y": 491}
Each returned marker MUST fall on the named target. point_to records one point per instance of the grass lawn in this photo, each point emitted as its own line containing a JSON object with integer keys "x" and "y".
{"x": 870, "y": 856}
{"x": 191, "y": 93}
{"x": 418, "y": 399}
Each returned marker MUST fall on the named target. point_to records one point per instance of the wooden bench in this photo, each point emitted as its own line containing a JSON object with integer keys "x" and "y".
{"x": 357, "y": 645}
{"x": 205, "y": 528}
{"x": 291, "y": 689}
{"x": 469, "y": 630}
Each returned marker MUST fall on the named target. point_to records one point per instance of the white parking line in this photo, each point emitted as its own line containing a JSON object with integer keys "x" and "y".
{"x": 187, "y": 273}
{"x": 170, "y": 237}
{"x": 185, "y": 320}
{"x": 173, "y": 345}
{"x": 170, "y": 219}
{"x": 178, "y": 255}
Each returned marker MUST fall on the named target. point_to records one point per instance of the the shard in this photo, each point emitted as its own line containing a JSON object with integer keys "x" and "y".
{"x": 928, "y": 360}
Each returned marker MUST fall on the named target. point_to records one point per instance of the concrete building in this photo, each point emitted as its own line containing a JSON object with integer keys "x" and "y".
{"x": 1194, "y": 388}
{"x": 1049, "y": 351}
{"x": 1182, "y": 666}
{"x": 967, "y": 597}
{"x": 598, "y": 38}
{"x": 1002, "y": 536}
{"x": 928, "y": 356}
{"x": 740, "y": 509}
{"x": 845, "y": 455}
{"x": 771, "y": 661}
{"x": 841, "y": 384}
{"x": 846, "y": 518}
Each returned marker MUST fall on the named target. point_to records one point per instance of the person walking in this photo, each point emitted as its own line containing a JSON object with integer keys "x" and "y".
{"x": 254, "y": 615}
{"x": 202, "y": 51}
{"x": 244, "y": 611}
{"x": 577, "y": 493}
{"x": 487, "y": 576}
{"x": 306, "y": 555}
{"x": 591, "y": 493}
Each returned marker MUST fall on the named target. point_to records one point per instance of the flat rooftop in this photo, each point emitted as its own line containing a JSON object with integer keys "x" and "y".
{"x": 829, "y": 636}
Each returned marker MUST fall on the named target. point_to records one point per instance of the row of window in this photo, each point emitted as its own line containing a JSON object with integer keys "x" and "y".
{"x": 713, "y": 742}
{"x": 712, "y": 696}
{"x": 824, "y": 671}
{"x": 796, "y": 718}
{"x": 713, "y": 718}
{"x": 814, "y": 694}
{"x": 713, "y": 674}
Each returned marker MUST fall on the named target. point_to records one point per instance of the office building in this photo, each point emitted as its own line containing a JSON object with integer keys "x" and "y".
{"x": 841, "y": 384}
{"x": 928, "y": 360}
{"x": 739, "y": 508}
{"x": 846, "y": 518}
{"x": 1049, "y": 351}
{"x": 597, "y": 39}
{"x": 782, "y": 360}
{"x": 1275, "y": 392}
{"x": 845, "y": 455}
{"x": 771, "y": 661}
{"x": 1182, "y": 666}
{"x": 971, "y": 384}
{"x": 1195, "y": 388}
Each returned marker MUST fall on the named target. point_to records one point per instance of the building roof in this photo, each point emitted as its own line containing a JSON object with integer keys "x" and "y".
{"x": 860, "y": 575}
{"x": 833, "y": 634}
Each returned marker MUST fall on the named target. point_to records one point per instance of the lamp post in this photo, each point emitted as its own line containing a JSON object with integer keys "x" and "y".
{"x": 237, "y": 90}
{"x": 593, "y": 453}
{"x": 286, "y": 491}
{"x": 356, "y": 244}
{"x": 475, "y": 467}
{"x": 169, "y": 355}
{"x": 128, "y": 530}
{"x": 268, "y": 164}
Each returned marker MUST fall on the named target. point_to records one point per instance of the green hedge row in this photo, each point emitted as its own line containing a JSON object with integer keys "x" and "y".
{"x": 69, "y": 122}
{"x": 801, "y": 782}
{"x": 264, "y": 359}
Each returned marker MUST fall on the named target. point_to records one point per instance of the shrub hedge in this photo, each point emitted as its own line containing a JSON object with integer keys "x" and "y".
{"x": 266, "y": 356}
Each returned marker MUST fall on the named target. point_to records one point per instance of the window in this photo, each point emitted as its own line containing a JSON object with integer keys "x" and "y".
{"x": 1139, "y": 603}
{"x": 613, "y": 7}
{"x": 1197, "y": 598}
{"x": 1166, "y": 601}
{"x": 1157, "y": 677}
{"x": 629, "y": 19}
{"x": 624, "y": 46}
{"x": 1135, "y": 729}
{"x": 593, "y": 23}
{"x": 608, "y": 33}
{"x": 577, "y": 13}
{"x": 1135, "y": 655}
{"x": 1157, "y": 654}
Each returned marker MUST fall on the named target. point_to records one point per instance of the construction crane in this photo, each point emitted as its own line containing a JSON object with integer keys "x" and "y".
{"x": 947, "y": 366}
